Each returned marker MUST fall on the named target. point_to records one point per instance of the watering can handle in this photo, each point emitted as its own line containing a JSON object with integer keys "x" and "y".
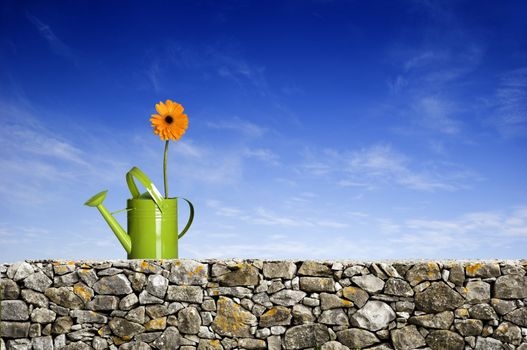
{"x": 145, "y": 181}
{"x": 190, "y": 219}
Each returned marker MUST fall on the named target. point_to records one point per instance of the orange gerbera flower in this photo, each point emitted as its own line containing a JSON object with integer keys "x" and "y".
{"x": 170, "y": 123}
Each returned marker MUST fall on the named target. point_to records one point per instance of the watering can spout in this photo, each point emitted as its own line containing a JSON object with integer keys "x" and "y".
{"x": 122, "y": 236}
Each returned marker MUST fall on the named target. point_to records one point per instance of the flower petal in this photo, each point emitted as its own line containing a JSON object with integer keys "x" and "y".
{"x": 161, "y": 108}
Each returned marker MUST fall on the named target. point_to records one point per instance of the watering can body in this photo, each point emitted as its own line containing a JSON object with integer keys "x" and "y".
{"x": 152, "y": 221}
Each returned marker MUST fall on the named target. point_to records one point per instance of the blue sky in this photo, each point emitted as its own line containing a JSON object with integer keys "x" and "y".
{"x": 317, "y": 129}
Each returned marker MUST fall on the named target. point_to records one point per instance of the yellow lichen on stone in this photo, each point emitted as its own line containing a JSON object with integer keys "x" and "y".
{"x": 83, "y": 292}
{"x": 232, "y": 320}
{"x": 472, "y": 268}
{"x": 156, "y": 324}
{"x": 271, "y": 312}
{"x": 146, "y": 267}
{"x": 119, "y": 341}
{"x": 432, "y": 269}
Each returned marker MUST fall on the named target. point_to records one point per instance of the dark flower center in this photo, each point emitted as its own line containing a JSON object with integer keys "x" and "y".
{"x": 169, "y": 119}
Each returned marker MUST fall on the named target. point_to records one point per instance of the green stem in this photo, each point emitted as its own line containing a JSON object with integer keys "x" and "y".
{"x": 165, "y": 169}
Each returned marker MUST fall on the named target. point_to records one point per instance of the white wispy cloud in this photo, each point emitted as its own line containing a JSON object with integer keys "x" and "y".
{"x": 436, "y": 114}
{"x": 56, "y": 45}
{"x": 239, "y": 125}
{"x": 263, "y": 154}
{"x": 510, "y": 104}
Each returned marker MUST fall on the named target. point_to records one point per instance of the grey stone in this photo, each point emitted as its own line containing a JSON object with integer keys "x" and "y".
{"x": 445, "y": 340}
{"x": 238, "y": 292}
{"x": 276, "y": 316}
{"x": 398, "y": 287}
{"x": 42, "y": 315}
{"x": 279, "y": 269}
{"x": 313, "y": 268}
{"x": 355, "y": 270}
{"x": 251, "y": 343}
{"x": 375, "y": 315}
{"x": 477, "y": 292}
{"x": 331, "y": 301}
{"x": 274, "y": 342}
{"x": 62, "y": 325}
{"x": 128, "y": 302}
{"x": 157, "y": 285}
{"x": 188, "y": 272}
{"x": 438, "y": 297}
{"x": 65, "y": 297}
{"x": 317, "y": 284}
{"x": 357, "y": 338}
{"x": 42, "y": 343}
{"x": 482, "y": 312}
{"x": 302, "y": 314}
{"x": 232, "y": 320}
{"x": 157, "y": 311}
{"x": 136, "y": 315}
{"x": 503, "y": 307}
{"x": 518, "y": 316}
{"x": 99, "y": 343}
{"x": 509, "y": 333}
{"x": 35, "y": 298}
{"x": 104, "y": 302}
{"x": 14, "y": 329}
{"x": 19, "y": 270}
{"x": 370, "y": 283}
{"x": 242, "y": 274}
{"x": 190, "y": 294}
{"x": 77, "y": 346}
{"x": 275, "y": 286}
{"x": 84, "y": 316}
{"x": 114, "y": 285}
{"x": 423, "y": 272}
{"x": 189, "y": 320}
{"x": 66, "y": 280}
{"x": 334, "y": 345}
{"x": 457, "y": 274}
{"x": 469, "y": 327}
{"x": 124, "y": 328}
{"x": 407, "y": 338}
{"x": 146, "y": 298}
{"x": 14, "y": 310}
{"x": 145, "y": 266}
{"x": 262, "y": 299}
{"x": 488, "y": 344}
{"x": 287, "y": 297}
{"x": 87, "y": 276}
{"x": 357, "y": 295}
{"x": 137, "y": 280}
{"x": 334, "y": 317}
{"x": 305, "y": 336}
{"x": 110, "y": 271}
{"x": 38, "y": 281}
{"x": 19, "y": 344}
{"x": 442, "y": 320}
{"x": 135, "y": 345}
{"x": 510, "y": 287}
{"x": 209, "y": 344}
{"x": 63, "y": 268}
{"x": 35, "y": 330}
{"x": 59, "y": 342}
{"x": 9, "y": 290}
{"x": 483, "y": 270}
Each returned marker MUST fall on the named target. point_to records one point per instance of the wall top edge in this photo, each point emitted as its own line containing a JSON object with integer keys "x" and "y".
{"x": 249, "y": 260}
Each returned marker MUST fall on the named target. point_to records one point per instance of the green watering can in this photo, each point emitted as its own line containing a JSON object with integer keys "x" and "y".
{"x": 152, "y": 220}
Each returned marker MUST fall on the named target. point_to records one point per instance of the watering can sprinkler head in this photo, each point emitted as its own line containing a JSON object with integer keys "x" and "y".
{"x": 122, "y": 236}
{"x": 96, "y": 200}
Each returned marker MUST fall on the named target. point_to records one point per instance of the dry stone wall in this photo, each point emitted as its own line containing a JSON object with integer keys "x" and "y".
{"x": 255, "y": 304}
